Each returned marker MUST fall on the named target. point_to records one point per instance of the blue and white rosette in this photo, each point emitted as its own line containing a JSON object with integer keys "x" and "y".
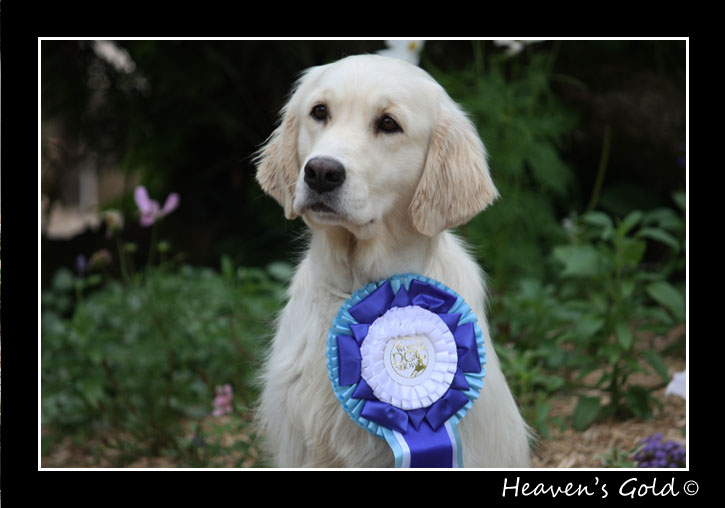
{"x": 405, "y": 357}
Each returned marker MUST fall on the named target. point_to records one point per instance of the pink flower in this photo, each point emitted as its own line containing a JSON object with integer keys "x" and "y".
{"x": 149, "y": 208}
{"x": 99, "y": 259}
{"x": 223, "y": 400}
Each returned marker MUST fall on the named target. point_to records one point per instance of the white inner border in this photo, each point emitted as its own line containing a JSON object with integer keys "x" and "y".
{"x": 515, "y": 36}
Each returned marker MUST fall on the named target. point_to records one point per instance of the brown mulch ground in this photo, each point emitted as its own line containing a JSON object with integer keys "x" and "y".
{"x": 570, "y": 449}
{"x": 98, "y": 454}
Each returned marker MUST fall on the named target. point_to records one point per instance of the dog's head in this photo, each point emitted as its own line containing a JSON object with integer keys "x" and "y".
{"x": 370, "y": 137}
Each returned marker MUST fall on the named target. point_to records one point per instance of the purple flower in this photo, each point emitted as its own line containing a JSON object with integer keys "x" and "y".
{"x": 198, "y": 441}
{"x": 223, "y": 400}
{"x": 149, "y": 208}
{"x": 658, "y": 454}
{"x": 81, "y": 265}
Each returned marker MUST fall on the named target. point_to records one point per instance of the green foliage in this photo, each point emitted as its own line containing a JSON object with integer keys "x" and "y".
{"x": 610, "y": 297}
{"x": 224, "y": 444}
{"x": 523, "y": 126}
{"x": 585, "y": 412}
{"x": 619, "y": 458}
{"x": 531, "y": 383}
{"x": 142, "y": 357}
{"x": 605, "y": 294}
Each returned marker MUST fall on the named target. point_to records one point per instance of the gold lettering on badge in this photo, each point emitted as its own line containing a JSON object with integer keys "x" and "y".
{"x": 409, "y": 357}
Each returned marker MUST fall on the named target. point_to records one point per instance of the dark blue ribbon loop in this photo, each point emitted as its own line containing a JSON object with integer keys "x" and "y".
{"x": 348, "y": 352}
{"x": 451, "y": 321}
{"x": 363, "y": 391}
{"x": 374, "y": 306}
{"x": 359, "y": 331}
{"x": 416, "y": 416}
{"x": 386, "y": 415}
{"x": 431, "y": 298}
{"x": 468, "y": 359}
{"x": 445, "y": 407}
{"x": 401, "y": 298}
{"x": 459, "y": 381}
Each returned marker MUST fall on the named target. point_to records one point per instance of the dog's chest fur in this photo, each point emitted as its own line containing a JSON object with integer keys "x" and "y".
{"x": 311, "y": 428}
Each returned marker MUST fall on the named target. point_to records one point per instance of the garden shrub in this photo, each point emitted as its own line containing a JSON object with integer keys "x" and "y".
{"x": 143, "y": 356}
{"x": 590, "y": 316}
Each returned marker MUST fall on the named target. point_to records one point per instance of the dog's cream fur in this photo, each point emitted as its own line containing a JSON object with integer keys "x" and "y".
{"x": 401, "y": 192}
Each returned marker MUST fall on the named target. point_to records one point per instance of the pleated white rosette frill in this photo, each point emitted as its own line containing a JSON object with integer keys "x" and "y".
{"x": 409, "y": 357}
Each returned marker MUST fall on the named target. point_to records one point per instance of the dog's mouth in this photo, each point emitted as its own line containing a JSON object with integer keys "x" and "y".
{"x": 323, "y": 213}
{"x": 319, "y": 215}
{"x": 322, "y": 208}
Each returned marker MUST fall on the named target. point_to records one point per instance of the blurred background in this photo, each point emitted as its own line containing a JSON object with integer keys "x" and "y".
{"x": 156, "y": 306}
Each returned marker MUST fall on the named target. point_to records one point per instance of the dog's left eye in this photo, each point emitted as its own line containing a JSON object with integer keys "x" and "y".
{"x": 387, "y": 124}
{"x": 319, "y": 112}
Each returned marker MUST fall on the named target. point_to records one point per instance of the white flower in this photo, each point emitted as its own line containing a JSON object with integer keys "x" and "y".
{"x": 403, "y": 50}
{"x": 115, "y": 56}
{"x": 513, "y": 48}
{"x": 568, "y": 225}
{"x": 678, "y": 385}
{"x": 113, "y": 220}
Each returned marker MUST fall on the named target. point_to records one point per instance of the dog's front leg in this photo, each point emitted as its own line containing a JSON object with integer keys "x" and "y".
{"x": 284, "y": 441}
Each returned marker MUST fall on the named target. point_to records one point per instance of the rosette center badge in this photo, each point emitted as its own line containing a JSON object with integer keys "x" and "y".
{"x": 405, "y": 357}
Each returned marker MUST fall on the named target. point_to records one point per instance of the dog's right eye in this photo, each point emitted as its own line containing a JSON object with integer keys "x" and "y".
{"x": 319, "y": 112}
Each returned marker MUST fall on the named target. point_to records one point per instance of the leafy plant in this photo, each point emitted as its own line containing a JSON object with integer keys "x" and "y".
{"x": 142, "y": 355}
{"x": 531, "y": 385}
{"x": 607, "y": 297}
{"x": 145, "y": 356}
{"x": 619, "y": 458}
{"x": 222, "y": 443}
{"x": 606, "y": 291}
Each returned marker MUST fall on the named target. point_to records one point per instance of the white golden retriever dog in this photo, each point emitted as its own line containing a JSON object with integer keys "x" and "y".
{"x": 378, "y": 161}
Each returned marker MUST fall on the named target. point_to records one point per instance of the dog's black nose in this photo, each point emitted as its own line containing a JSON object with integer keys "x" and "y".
{"x": 323, "y": 174}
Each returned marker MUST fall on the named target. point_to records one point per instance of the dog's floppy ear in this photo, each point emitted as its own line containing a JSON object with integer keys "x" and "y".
{"x": 277, "y": 162}
{"x": 456, "y": 183}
